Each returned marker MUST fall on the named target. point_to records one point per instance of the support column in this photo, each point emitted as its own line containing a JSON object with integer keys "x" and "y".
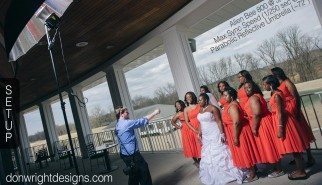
{"x": 48, "y": 122}
{"x": 82, "y": 124}
{"x": 6, "y": 164}
{"x": 118, "y": 87}
{"x": 120, "y": 92}
{"x": 181, "y": 61}
{"x": 318, "y": 9}
{"x": 19, "y": 160}
{"x": 24, "y": 140}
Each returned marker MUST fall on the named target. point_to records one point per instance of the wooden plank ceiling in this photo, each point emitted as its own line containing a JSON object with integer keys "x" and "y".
{"x": 101, "y": 23}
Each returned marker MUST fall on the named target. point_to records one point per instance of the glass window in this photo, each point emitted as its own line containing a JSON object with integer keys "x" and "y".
{"x": 35, "y": 132}
{"x": 35, "y": 129}
{"x": 59, "y": 119}
{"x": 151, "y": 84}
{"x": 99, "y": 106}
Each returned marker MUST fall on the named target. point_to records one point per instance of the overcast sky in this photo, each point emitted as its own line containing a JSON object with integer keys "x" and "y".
{"x": 305, "y": 18}
{"x": 145, "y": 79}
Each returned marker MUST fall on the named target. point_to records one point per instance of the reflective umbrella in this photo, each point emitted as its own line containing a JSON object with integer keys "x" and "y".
{"x": 35, "y": 30}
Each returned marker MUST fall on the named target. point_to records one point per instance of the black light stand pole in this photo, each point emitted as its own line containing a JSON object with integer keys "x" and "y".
{"x": 62, "y": 103}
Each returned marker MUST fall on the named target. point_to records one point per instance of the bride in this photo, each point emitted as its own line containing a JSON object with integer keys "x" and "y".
{"x": 216, "y": 167}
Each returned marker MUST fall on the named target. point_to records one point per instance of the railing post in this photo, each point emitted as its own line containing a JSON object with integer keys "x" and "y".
{"x": 112, "y": 135}
{"x": 173, "y": 138}
{"x": 149, "y": 139}
{"x": 76, "y": 144}
{"x": 317, "y": 119}
{"x": 161, "y": 139}
{"x": 99, "y": 138}
{"x": 308, "y": 120}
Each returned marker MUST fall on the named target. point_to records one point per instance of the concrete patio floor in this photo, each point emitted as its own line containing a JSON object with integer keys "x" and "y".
{"x": 174, "y": 169}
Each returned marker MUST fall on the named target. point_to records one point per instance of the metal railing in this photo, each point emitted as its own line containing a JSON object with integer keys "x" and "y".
{"x": 160, "y": 136}
{"x": 157, "y": 136}
{"x": 312, "y": 109}
{"x": 65, "y": 143}
{"x": 103, "y": 138}
{"x": 31, "y": 151}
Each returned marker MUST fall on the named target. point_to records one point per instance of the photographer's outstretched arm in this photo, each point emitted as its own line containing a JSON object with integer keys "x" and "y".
{"x": 144, "y": 121}
{"x": 153, "y": 114}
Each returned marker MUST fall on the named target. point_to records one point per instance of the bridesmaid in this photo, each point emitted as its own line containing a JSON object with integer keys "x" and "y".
{"x": 239, "y": 135}
{"x": 185, "y": 133}
{"x": 190, "y": 117}
{"x": 222, "y": 85}
{"x": 212, "y": 99}
{"x": 293, "y": 106}
{"x": 243, "y": 76}
{"x": 261, "y": 123}
{"x": 286, "y": 128}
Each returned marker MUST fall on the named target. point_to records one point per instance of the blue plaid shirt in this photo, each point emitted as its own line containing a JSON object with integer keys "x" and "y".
{"x": 125, "y": 132}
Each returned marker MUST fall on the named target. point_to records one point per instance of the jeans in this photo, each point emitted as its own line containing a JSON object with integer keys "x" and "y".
{"x": 142, "y": 175}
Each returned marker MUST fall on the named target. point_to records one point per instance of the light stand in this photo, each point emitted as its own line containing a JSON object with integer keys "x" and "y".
{"x": 53, "y": 23}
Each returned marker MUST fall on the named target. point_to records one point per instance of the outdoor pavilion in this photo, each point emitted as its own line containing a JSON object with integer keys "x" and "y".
{"x": 113, "y": 42}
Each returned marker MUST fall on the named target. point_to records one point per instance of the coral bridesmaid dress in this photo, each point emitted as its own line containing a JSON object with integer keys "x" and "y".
{"x": 290, "y": 106}
{"x": 266, "y": 139}
{"x": 193, "y": 143}
{"x": 242, "y": 97}
{"x": 245, "y": 155}
{"x": 292, "y": 141}
{"x": 223, "y": 102}
{"x": 187, "y": 137}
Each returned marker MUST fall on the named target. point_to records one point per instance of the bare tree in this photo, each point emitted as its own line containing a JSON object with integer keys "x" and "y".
{"x": 308, "y": 58}
{"x": 299, "y": 51}
{"x": 214, "y": 71}
{"x": 253, "y": 62}
{"x": 220, "y": 70}
{"x": 37, "y": 137}
{"x": 97, "y": 116}
{"x": 317, "y": 43}
{"x": 163, "y": 95}
{"x": 230, "y": 69}
{"x": 254, "y": 67}
{"x": 142, "y": 101}
{"x": 288, "y": 40}
{"x": 223, "y": 66}
{"x": 267, "y": 51}
{"x": 241, "y": 60}
{"x": 166, "y": 94}
{"x": 204, "y": 76}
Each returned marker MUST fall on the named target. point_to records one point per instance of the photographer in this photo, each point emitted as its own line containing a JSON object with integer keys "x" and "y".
{"x": 137, "y": 168}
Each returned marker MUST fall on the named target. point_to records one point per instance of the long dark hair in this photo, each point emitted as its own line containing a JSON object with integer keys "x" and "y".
{"x": 193, "y": 96}
{"x": 246, "y": 75}
{"x": 256, "y": 88}
{"x": 181, "y": 104}
{"x": 205, "y": 88}
{"x": 272, "y": 81}
{"x": 222, "y": 82}
{"x": 279, "y": 73}
{"x": 205, "y": 96}
{"x": 232, "y": 92}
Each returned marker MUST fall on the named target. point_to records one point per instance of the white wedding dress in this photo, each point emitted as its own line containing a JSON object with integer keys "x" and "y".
{"x": 216, "y": 166}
